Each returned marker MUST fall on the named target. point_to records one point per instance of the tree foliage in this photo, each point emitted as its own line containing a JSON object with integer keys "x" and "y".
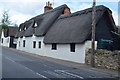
{"x": 5, "y": 20}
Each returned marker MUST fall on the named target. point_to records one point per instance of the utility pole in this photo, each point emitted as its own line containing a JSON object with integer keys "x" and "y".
{"x": 93, "y": 34}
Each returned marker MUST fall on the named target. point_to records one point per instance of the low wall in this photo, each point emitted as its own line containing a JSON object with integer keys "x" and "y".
{"x": 105, "y": 59}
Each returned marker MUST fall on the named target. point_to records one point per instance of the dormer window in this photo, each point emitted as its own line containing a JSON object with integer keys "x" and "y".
{"x": 20, "y": 30}
{"x": 25, "y": 28}
{"x": 35, "y": 25}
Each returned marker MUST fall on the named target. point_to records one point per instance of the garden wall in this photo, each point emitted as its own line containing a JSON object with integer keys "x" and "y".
{"x": 105, "y": 59}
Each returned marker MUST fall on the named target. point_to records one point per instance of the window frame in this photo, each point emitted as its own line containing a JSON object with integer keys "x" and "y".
{"x": 54, "y": 46}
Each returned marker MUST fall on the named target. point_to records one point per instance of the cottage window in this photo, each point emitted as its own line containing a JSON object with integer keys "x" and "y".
{"x": 23, "y": 43}
{"x": 34, "y": 44}
{"x": 72, "y": 47}
{"x": 25, "y": 28}
{"x": 39, "y": 44}
{"x": 54, "y": 46}
{"x": 20, "y": 30}
{"x": 2, "y": 40}
{"x": 35, "y": 25}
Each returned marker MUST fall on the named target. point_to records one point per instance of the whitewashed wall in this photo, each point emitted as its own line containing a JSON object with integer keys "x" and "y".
{"x": 88, "y": 45}
{"x": 63, "y": 50}
{"x": 6, "y": 40}
{"x": 29, "y": 45}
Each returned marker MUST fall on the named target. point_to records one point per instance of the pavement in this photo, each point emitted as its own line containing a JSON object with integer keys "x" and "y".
{"x": 45, "y": 67}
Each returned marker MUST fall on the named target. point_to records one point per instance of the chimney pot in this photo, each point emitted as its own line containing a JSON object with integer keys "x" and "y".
{"x": 48, "y": 6}
{"x": 49, "y": 3}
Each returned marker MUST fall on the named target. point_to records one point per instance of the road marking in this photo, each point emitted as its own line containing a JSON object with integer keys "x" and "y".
{"x": 41, "y": 75}
{"x": 66, "y": 75}
{"x": 36, "y": 73}
{"x": 10, "y": 59}
{"x": 69, "y": 73}
{"x": 28, "y": 68}
{"x": 54, "y": 74}
{"x": 95, "y": 77}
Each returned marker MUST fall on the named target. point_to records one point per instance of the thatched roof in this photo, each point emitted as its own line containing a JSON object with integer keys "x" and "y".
{"x": 76, "y": 27}
{"x": 44, "y": 22}
{"x": 30, "y": 28}
{"x": 21, "y": 30}
{"x": 11, "y": 31}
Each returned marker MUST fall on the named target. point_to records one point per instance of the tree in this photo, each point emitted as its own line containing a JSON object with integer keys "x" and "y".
{"x": 5, "y": 20}
{"x": 15, "y": 25}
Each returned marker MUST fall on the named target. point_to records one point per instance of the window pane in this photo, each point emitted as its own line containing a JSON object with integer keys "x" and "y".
{"x": 39, "y": 44}
{"x": 34, "y": 44}
{"x": 72, "y": 47}
{"x": 2, "y": 40}
{"x": 54, "y": 46}
{"x": 23, "y": 43}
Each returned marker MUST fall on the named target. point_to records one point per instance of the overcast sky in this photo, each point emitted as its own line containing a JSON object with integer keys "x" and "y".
{"x": 22, "y": 10}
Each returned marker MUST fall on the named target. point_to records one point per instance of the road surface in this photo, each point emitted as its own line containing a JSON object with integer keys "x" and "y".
{"x": 16, "y": 64}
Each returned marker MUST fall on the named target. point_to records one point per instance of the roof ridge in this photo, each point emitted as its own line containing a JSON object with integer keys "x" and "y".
{"x": 99, "y": 8}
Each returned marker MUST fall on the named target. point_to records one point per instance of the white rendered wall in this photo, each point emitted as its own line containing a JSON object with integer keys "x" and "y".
{"x": 88, "y": 45}
{"x": 29, "y": 45}
{"x": 63, "y": 50}
{"x": 6, "y": 40}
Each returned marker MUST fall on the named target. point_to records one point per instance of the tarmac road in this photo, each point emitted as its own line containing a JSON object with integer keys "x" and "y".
{"x": 16, "y": 64}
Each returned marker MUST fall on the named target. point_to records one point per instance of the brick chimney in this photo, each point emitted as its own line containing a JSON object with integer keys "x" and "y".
{"x": 67, "y": 11}
{"x": 48, "y": 6}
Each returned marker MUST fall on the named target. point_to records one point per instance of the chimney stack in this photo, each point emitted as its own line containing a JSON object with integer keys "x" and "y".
{"x": 48, "y": 6}
{"x": 67, "y": 11}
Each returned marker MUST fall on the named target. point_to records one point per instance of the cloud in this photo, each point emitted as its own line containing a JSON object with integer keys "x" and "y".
{"x": 115, "y": 16}
{"x": 74, "y": 6}
{"x": 23, "y": 10}
{"x": 59, "y": 0}
{"x": 80, "y": 6}
{"x": 19, "y": 18}
{"x": 26, "y": 8}
{"x": 1, "y": 11}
